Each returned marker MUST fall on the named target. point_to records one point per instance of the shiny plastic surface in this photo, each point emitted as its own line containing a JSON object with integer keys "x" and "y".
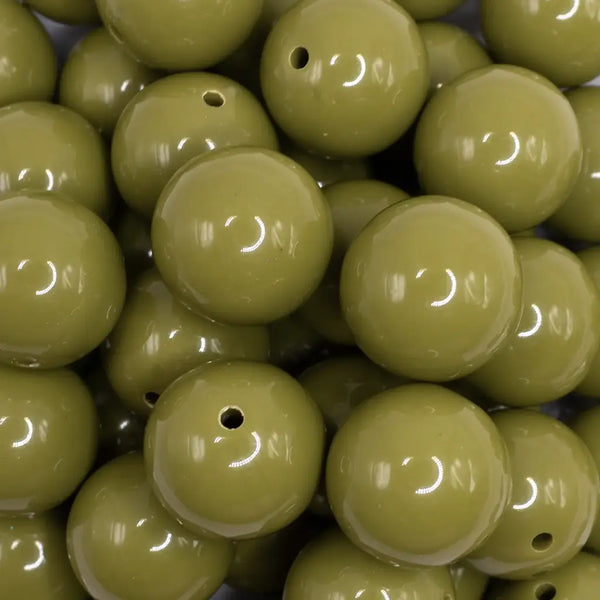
{"x": 429, "y": 9}
{"x": 123, "y": 544}
{"x": 256, "y": 246}
{"x": 407, "y": 459}
{"x": 431, "y": 288}
{"x": 66, "y": 11}
{"x": 235, "y": 449}
{"x": 504, "y": 139}
{"x": 62, "y": 283}
{"x": 469, "y": 584}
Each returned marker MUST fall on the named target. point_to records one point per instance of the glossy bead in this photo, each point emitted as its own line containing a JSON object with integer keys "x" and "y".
{"x": 553, "y": 502}
{"x": 353, "y": 204}
{"x": 557, "y": 337}
{"x": 261, "y": 565}
{"x": 99, "y": 78}
{"x": 560, "y": 40}
{"x": 34, "y": 561}
{"x": 587, "y": 425}
{"x": 247, "y": 432}
{"x": 504, "y": 139}
{"x": 344, "y": 78}
{"x": 404, "y": 461}
{"x": 121, "y": 431}
{"x": 123, "y": 544}
{"x": 332, "y": 568}
{"x": 469, "y": 584}
{"x": 28, "y": 58}
{"x": 157, "y": 339}
{"x": 451, "y": 52}
{"x": 133, "y": 234}
{"x": 579, "y": 578}
{"x": 579, "y": 216}
{"x": 72, "y": 12}
{"x": 175, "y": 119}
{"x": 48, "y": 436}
{"x": 590, "y": 385}
{"x": 255, "y": 248}
{"x": 180, "y": 35}
{"x": 63, "y": 283}
{"x": 46, "y": 147}
{"x": 429, "y": 9}
{"x": 431, "y": 288}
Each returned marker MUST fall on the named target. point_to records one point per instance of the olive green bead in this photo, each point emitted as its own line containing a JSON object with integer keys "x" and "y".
{"x": 469, "y": 584}
{"x": 418, "y": 474}
{"x": 48, "y": 437}
{"x": 558, "y": 39}
{"x": 62, "y": 283}
{"x": 46, "y": 147}
{"x": 34, "y": 561}
{"x": 557, "y": 337}
{"x": 157, "y": 339}
{"x": 579, "y": 216}
{"x": 431, "y": 288}
{"x": 332, "y": 568}
{"x": 344, "y": 78}
{"x": 72, "y": 12}
{"x": 504, "y": 139}
{"x": 180, "y": 35}
{"x": 587, "y": 425}
{"x": 99, "y": 78}
{"x": 261, "y": 565}
{"x": 28, "y": 58}
{"x": 245, "y": 432}
{"x": 590, "y": 385}
{"x": 123, "y": 544}
{"x": 429, "y": 9}
{"x": 553, "y": 502}
{"x": 254, "y": 247}
{"x": 133, "y": 234}
{"x": 451, "y": 52}
{"x": 175, "y": 119}
{"x": 579, "y": 579}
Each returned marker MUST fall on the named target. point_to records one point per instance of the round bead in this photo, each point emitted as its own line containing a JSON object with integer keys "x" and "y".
{"x": 431, "y": 288}
{"x": 558, "y": 39}
{"x": 553, "y": 503}
{"x": 469, "y": 584}
{"x": 451, "y": 52}
{"x": 48, "y": 438}
{"x": 71, "y": 12}
{"x": 46, "y": 147}
{"x": 257, "y": 245}
{"x": 99, "y": 78}
{"x": 247, "y": 432}
{"x": 331, "y": 567}
{"x": 175, "y": 119}
{"x": 62, "y": 283}
{"x": 180, "y": 35}
{"x": 579, "y": 216}
{"x": 28, "y": 58}
{"x": 579, "y": 578}
{"x": 404, "y": 461}
{"x": 557, "y": 337}
{"x": 123, "y": 544}
{"x": 429, "y": 9}
{"x": 139, "y": 370}
{"x": 504, "y": 139}
{"x": 344, "y": 78}
{"x": 34, "y": 561}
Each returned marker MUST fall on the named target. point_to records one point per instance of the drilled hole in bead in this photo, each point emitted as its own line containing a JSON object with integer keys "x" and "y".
{"x": 299, "y": 57}
{"x": 213, "y": 98}
{"x": 545, "y": 591}
{"x": 542, "y": 541}
{"x": 150, "y": 398}
{"x": 232, "y": 417}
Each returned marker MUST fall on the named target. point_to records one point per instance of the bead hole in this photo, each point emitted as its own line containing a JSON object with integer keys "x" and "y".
{"x": 213, "y": 98}
{"x": 150, "y": 398}
{"x": 542, "y": 541}
{"x": 232, "y": 418}
{"x": 299, "y": 58}
{"x": 546, "y": 591}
